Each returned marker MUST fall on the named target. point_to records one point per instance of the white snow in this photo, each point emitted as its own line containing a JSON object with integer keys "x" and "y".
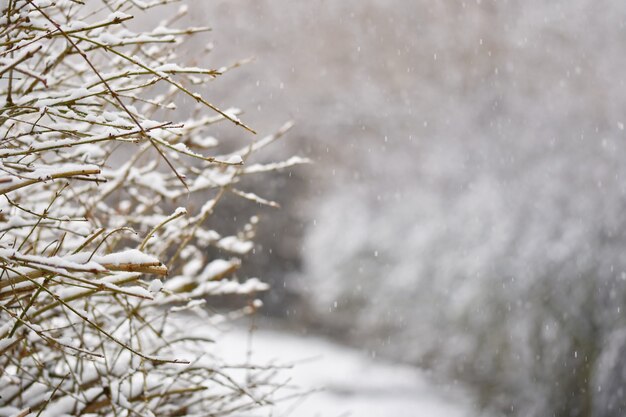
{"x": 347, "y": 381}
{"x": 155, "y": 286}
{"x": 235, "y": 160}
{"x": 131, "y": 256}
{"x": 216, "y": 268}
{"x": 231, "y": 113}
{"x": 235, "y": 245}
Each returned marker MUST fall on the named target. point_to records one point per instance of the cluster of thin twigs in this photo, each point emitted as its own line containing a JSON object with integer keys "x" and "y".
{"x": 91, "y": 170}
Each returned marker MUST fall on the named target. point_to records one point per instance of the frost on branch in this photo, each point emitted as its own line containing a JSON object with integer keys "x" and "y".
{"x": 95, "y": 255}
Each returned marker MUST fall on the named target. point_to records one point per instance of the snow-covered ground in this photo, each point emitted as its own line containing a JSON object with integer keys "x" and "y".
{"x": 347, "y": 381}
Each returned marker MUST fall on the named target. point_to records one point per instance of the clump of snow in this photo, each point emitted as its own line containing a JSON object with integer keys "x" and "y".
{"x": 235, "y": 160}
{"x": 155, "y": 286}
{"x": 130, "y": 256}
{"x": 235, "y": 245}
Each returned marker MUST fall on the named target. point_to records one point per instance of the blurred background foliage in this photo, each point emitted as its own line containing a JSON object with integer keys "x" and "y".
{"x": 465, "y": 211}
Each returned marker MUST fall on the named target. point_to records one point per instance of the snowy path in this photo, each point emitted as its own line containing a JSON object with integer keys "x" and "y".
{"x": 353, "y": 383}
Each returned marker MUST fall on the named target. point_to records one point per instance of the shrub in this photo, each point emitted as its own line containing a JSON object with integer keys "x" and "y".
{"x": 93, "y": 169}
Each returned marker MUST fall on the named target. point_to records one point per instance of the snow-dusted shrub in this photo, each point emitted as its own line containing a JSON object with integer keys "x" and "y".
{"x": 517, "y": 288}
{"x": 489, "y": 246}
{"x": 93, "y": 168}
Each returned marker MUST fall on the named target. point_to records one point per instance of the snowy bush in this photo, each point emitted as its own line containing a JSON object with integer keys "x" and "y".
{"x": 521, "y": 297}
{"x": 102, "y": 197}
{"x": 486, "y": 241}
